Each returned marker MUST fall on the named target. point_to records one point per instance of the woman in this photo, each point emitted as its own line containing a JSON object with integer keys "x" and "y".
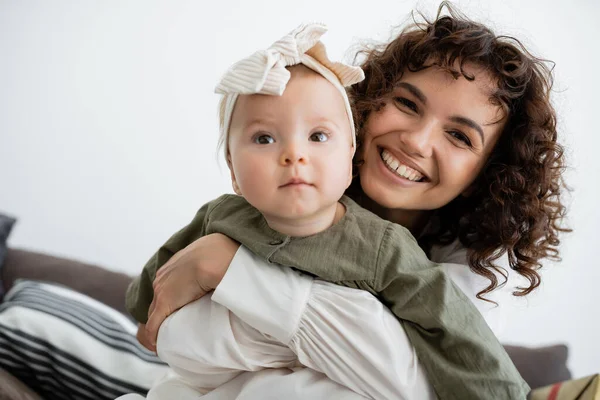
{"x": 459, "y": 144}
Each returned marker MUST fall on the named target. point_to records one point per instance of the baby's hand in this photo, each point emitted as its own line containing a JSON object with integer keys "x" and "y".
{"x": 187, "y": 276}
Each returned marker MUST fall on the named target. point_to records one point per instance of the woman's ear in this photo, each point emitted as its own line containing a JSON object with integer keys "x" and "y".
{"x": 234, "y": 184}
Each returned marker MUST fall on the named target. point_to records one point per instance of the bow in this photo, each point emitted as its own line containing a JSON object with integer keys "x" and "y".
{"x": 264, "y": 72}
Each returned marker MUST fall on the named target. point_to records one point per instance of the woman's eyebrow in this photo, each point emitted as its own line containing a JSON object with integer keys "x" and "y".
{"x": 470, "y": 123}
{"x": 415, "y": 91}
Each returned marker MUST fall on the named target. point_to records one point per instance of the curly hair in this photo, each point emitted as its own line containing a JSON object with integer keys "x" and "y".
{"x": 516, "y": 206}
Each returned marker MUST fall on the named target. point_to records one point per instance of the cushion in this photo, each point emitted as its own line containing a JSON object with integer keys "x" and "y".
{"x": 541, "y": 366}
{"x": 63, "y": 344}
{"x": 587, "y": 388}
{"x": 6, "y": 224}
{"x": 99, "y": 283}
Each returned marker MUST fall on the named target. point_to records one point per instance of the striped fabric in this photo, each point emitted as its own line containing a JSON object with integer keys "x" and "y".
{"x": 66, "y": 345}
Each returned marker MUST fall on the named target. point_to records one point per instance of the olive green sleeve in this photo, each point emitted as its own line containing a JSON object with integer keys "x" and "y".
{"x": 140, "y": 293}
{"x": 460, "y": 353}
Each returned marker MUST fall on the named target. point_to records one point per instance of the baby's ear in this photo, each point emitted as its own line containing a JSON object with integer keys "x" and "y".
{"x": 351, "y": 172}
{"x": 234, "y": 184}
{"x": 350, "y": 176}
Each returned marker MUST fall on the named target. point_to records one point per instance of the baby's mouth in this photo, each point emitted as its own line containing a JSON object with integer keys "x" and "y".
{"x": 296, "y": 182}
{"x": 400, "y": 169}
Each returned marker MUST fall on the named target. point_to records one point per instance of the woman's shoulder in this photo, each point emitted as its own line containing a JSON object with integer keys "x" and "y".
{"x": 454, "y": 252}
{"x": 454, "y": 258}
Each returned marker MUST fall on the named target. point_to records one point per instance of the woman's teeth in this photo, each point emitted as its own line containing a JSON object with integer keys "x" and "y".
{"x": 400, "y": 169}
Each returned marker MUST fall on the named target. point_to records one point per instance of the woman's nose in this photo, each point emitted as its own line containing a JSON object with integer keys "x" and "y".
{"x": 419, "y": 142}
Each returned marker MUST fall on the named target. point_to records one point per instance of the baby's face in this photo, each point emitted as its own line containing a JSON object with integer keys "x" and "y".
{"x": 290, "y": 156}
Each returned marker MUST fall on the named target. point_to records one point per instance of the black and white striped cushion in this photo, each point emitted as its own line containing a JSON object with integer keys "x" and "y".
{"x": 66, "y": 345}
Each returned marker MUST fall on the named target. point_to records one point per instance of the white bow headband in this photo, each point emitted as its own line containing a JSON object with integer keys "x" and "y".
{"x": 264, "y": 72}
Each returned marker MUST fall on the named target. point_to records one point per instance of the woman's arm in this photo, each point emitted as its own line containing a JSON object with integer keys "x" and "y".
{"x": 207, "y": 345}
{"x": 188, "y": 275}
{"x": 344, "y": 333}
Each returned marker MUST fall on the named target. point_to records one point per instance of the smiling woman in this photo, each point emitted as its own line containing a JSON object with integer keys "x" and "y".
{"x": 458, "y": 142}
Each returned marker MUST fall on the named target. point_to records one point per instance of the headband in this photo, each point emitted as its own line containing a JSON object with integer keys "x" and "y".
{"x": 264, "y": 72}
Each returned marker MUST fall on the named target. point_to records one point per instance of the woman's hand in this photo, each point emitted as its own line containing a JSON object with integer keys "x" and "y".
{"x": 142, "y": 337}
{"x": 187, "y": 276}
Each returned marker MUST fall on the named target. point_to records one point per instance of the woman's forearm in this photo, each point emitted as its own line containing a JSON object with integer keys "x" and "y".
{"x": 344, "y": 333}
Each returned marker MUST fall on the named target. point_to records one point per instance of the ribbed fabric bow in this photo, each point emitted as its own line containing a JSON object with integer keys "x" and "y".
{"x": 264, "y": 72}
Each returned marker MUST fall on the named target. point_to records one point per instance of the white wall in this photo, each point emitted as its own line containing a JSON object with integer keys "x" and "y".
{"x": 108, "y": 125}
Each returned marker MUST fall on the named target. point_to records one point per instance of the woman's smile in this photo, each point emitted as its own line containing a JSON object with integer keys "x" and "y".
{"x": 401, "y": 167}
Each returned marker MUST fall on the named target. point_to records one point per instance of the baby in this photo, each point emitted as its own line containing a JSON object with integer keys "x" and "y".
{"x": 289, "y": 140}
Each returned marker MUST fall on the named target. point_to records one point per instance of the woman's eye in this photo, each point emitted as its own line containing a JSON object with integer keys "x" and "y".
{"x": 319, "y": 137}
{"x": 406, "y": 103}
{"x": 263, "y": 139}
{"x": 461, "y": 137}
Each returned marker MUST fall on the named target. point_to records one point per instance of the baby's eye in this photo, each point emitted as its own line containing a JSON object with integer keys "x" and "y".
{"x": 263, "y": 139}
{"x": 319, "y": 137}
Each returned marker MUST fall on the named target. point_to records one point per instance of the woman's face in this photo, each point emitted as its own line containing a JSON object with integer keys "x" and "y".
{"x": 430, "y": 140}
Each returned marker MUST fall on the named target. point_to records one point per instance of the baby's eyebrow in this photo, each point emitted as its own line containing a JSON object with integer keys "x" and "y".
{"x": 254, "y": 120}
{"x": 326, "y": 121}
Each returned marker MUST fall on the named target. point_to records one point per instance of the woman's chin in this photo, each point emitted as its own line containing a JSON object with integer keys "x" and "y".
{"x": 387, "y": 189}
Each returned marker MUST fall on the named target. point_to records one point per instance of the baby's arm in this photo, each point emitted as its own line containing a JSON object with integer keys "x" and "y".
{"x": 463, "y": 358}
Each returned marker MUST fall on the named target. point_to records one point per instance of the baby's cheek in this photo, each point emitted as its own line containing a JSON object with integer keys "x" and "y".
{"x": 246, "y": 181}
{"x": 245, "y": 167}
{"x": 252, "y": 180}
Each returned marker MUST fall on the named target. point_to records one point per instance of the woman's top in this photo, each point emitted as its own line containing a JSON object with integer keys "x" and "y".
{"x": 461, "y": 355}
{"x": 344, "y": 333}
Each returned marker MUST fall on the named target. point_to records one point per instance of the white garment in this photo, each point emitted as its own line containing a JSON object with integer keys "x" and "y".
{"x": 454, "y": 259}
{"x": 265, "y": 316}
